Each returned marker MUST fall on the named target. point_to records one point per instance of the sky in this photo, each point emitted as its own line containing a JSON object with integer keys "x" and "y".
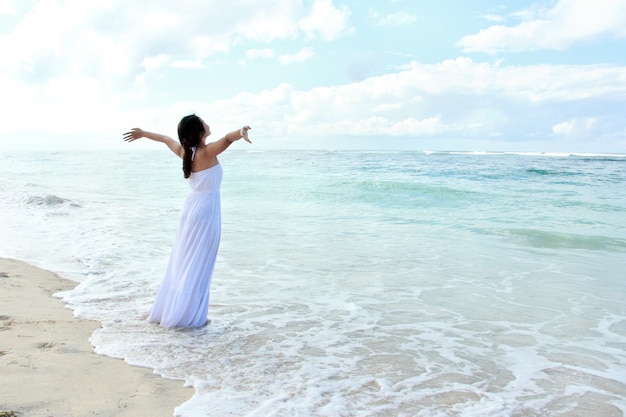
{"x": 480, "y": 75}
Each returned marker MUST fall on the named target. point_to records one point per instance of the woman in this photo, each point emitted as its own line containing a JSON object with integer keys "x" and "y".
{"x": 183, "y": 299}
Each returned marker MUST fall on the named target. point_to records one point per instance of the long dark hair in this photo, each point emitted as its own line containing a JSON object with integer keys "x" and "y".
{"x": 190, "y": 129}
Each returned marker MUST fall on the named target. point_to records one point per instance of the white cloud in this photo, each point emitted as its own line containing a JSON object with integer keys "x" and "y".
{"x": 260, "y": 53}
{"x": 107, "y": 68}
{"x": 414, "y": 127}
{"x": 494, "y": 18}
{"x": 326, "y": 21}
{"x": 110, "y": 48}
{"x": 155, "y": 62}
{"x": 118, "y": 38}
{"x": 459, "y": 98}
{"x": 192, "y": 64}
{"x": 300, "y": 56}
{"x": 569, "y": 22}
{"x": 393, "y": 19}
{"x": 574, "y": 126}
{"x": 7, "y": 7}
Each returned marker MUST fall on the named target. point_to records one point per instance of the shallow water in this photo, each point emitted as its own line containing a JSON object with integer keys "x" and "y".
{"x": 352, "y": 283}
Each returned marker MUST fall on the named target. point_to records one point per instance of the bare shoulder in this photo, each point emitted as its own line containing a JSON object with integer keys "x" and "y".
{"x": 204, "y": 158}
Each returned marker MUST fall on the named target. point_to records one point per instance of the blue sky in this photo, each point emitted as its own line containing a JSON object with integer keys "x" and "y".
{"x": 535, "y": 76}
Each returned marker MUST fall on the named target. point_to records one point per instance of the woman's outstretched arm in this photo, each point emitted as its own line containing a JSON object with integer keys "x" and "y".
{"x": 219, "y": 146}
{"x": 137, "y": 133}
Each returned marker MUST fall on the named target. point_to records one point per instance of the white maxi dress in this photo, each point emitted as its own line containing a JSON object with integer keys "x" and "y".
{"x": 183, "y": 298}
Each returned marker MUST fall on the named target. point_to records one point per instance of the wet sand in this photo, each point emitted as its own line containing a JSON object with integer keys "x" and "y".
{"x": 49, "y": 368}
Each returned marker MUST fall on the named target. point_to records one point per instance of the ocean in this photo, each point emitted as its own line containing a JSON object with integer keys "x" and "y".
{"x": 350, "y": 283}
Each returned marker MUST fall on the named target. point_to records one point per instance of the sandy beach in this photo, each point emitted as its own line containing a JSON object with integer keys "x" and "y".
{"x": 49, "y": 367}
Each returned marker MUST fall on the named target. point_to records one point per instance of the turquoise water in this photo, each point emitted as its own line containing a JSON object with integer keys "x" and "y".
{"x": 352, "y": 283}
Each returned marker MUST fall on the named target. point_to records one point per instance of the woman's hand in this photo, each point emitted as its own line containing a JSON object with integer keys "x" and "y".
{"x": 244, "y": 133}
{"x": 134, "y": 134}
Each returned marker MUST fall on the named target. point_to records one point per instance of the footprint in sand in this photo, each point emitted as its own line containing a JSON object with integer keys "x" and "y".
{"x": 6, "y": 322}
{"x": 46, "y": 345}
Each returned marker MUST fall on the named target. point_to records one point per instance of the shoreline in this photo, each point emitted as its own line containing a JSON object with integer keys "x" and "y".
{"x": 49, "y": 366}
